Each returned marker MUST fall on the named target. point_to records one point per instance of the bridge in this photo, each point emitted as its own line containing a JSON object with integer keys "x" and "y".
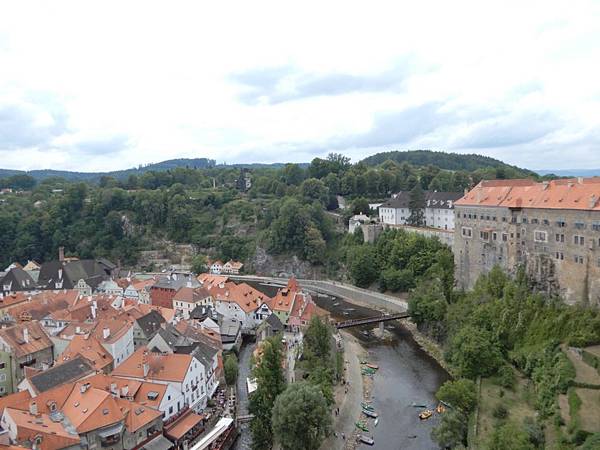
{"x": 368, "y": 320}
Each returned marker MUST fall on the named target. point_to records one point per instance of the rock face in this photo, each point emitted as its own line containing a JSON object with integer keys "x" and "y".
{"x": 280, "y": 265}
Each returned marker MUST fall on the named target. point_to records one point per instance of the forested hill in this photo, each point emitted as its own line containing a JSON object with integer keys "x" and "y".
{"x": 447, "y": 161}
{"x": 39, "y": 175}
{"x": 187, "y": 163}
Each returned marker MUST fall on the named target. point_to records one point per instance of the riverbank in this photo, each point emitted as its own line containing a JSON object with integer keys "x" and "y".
{"x": 348, "y": 397}
{"x": 427, "y": 344}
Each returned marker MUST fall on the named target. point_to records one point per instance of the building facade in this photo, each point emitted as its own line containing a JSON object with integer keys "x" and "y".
{"x": 438, "y": 213}
{"x": 552, "y": 229}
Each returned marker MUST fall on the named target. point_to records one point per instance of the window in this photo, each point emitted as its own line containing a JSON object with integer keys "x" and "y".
{"x": 2, "y": 365}
{"x": 561, "y": 224}
{"x": 2, "y": 377}
{"x": 560, "y": 255}
{"x": 540, "y": 236}
{"x": 467, "y": 232}
{"x": 579, "y": 225}
{"x": 524, "y": 220}
{"x": 495, "y": 236}
{"x": 596, "y": 226}
{"x": 546, "y": 222}
{"x": 504, "y": 237}
{"x": 504, "y": 219}
{"x": 560, "y": 237}
{"x": 484, "y": 235}
{"x": 535, "y": 221}
{"x": 578, "y": 259}
{"x": 578, "y": 240}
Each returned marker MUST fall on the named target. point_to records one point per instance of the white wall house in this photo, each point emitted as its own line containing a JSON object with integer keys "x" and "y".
{"x": 438, "y": 212}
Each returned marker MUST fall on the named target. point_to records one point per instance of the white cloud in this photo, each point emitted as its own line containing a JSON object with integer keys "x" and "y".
{"x": 277, "y": 81}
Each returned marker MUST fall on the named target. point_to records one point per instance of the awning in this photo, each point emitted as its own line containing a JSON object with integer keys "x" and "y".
{"x": 158, "y": 443}
{"x": 183, "y": 425}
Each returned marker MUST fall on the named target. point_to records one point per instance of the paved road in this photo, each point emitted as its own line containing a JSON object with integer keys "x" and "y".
{"x": 354, "y": 294}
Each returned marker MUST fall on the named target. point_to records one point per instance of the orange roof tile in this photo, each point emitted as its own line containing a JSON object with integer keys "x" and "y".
{"x": 54, "y": 436}
{"x": 578, "y": 194}
{"x": 136, "y": 415}
{"x": 26, "y": 338}
{"x": 170, "y": 367}
{"x": 183, "y": 425}
{"x": 91, "y": 409}
{"x": 16, "y": 400}
{"x": 88, "y": 347}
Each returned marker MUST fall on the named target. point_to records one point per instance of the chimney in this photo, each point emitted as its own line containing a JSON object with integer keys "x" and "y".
{"x": 113, "y": 389}
{"x": 145, "y": 364}
{"x": 579, "y": 180}
{"x": 61, "y": 254}
{"x": 84, "y": 387}
{"x": 106, "y": 333}
{"x": 26, "y": 335}
{"x": 546, "y": 184}
{"x": 33, "y": 409}
{"x": 77, "y": 330}
{"x": 189, "y": 282}
{"x": 124, "y": 391}
{"x": 94, "y": 308}
{"x": 593, "y": 201}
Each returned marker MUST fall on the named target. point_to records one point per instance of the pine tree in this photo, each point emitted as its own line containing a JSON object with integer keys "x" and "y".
{"x": 416, "y": 205}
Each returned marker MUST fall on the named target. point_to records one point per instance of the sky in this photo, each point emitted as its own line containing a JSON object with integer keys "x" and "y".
{"x": 96, "y": 86}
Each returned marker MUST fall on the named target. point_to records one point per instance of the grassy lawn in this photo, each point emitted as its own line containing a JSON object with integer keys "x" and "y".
{"x": 589, "y": 412}
{"x": 515, "y": 400}
{"x": 585, "y": 373}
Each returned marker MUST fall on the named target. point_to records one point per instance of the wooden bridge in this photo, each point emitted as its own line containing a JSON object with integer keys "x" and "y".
{"x": 368, "y": 320}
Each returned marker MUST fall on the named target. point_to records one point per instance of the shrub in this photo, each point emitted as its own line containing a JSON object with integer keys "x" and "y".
{"x": 500, "y": 411}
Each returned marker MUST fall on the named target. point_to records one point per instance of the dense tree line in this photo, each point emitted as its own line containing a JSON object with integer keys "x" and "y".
{"x": 502, "y": 323}
{"x": 398, "y": 260}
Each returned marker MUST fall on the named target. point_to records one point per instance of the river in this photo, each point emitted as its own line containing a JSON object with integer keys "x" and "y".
{"x": 406, "y": 374}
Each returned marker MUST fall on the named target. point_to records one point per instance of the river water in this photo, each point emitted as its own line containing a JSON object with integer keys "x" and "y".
{"x": 406, "y": 374}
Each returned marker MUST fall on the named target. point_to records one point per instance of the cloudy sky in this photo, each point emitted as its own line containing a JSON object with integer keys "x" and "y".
{"x": 110, "y": 85}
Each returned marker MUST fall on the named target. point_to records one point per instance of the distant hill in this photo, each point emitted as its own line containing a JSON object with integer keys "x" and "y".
{"x": 197, "y": 163}
{"x": 447, "y": 161}
{"x": 570, "y": 172}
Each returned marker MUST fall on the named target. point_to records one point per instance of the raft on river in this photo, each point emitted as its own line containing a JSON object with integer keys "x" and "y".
{"x": 370, "y": 413}
{"x": 362, "y": 427}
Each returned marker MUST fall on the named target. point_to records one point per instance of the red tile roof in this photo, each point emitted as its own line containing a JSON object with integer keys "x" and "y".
{"x": 578, "y": 194}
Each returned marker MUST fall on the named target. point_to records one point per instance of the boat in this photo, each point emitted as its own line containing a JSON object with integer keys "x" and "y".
{"x": 361, "y": 427}
{"x": 440, "y": 409}
{"x": 367, "y": 406}
{"x": 412, "y": 436}
{"x": 419, "y": 405}
{"x": 366, "y": 439}
{"x": 372, "y": 366}
{"x": 376, "y": 422}
{"x": 426, "y": 414}
{"x": 370, "y": 413}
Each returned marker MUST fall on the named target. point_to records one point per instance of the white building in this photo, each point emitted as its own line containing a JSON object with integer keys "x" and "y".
{"x": 439, "y": 209}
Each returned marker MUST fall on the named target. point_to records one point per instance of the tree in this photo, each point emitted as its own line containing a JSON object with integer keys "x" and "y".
{"x": 317, "y": 342}
{"x": 230, "y": 367}
{"x": 199, "y": 264}
{"x": 474, "y": 351}
{"x": 592, "y": 442}
{"x": 315, "y": 246}
{"x": 460, "y": 394}
{"x": 416, "y": 205}
{"x": 508, "y": 436}
{"x": 313, "y": 189}
{"x": 271, "y": 382}
{"x": 301, "y": 418}
{"x": 427, "y": 305}
{"x": 451, "y": 431}
{"x": 360, "y": 205}
{"x": 292, "y": 174}
{"x": 363, "y": 265}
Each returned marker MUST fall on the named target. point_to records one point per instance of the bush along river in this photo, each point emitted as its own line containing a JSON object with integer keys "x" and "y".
{"x": 407, "y": 375}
